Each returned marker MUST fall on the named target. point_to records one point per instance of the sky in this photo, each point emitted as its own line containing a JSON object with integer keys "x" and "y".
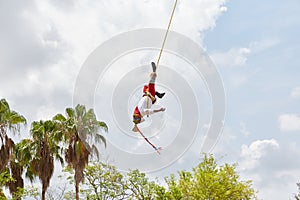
{"x": 253, "y": 45}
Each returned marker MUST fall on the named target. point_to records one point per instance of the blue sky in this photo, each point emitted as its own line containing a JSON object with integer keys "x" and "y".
{"x": 254, "y": 45}
{"x": 260, "y": 90}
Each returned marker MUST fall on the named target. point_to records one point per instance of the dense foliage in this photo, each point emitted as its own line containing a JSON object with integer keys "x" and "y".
{"x": 205, "y": 181}
{"x": 72, "y": 138}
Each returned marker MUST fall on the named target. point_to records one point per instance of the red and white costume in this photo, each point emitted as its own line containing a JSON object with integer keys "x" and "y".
{"x": 144, "y": 106}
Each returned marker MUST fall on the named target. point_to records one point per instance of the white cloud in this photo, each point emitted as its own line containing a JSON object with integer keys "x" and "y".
{"x": 88, "y": 23}
{"x": 232, "y": 58}
{"x": 197, "y": 16}
{"x": 243, "y": 129}
{"x": 225, "y": 143}
{"x": 271, "y": 166}
{"x": 289, "y": 122}
{"x": 262, "y": 45}
{"x": 238, "y": 56}
{"x": 296, "y": 92}
{"x": 251, "y": 155}
{"x": 45, "y": 42}
{"x": 46, "y": 112}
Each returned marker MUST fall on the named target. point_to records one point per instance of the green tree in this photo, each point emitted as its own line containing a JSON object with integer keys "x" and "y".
{"x": 4, "y": 179}
{"x": 208, "y": 181}
{"x": 80, "y": 127}
{"x": 104, "y": 182}
{"x": 10, "y": 121}
{"x": 30, "y": 191}
{"x": 57, "y": 192}
{"x": 140, "y": 187}
{"x": 37, "y": 154}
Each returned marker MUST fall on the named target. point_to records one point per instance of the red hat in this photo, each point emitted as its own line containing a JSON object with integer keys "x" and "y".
{"x": 146, "y": 89}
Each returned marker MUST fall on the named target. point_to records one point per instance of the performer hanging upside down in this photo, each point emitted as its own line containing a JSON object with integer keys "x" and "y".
{"x": 144, "y": 106}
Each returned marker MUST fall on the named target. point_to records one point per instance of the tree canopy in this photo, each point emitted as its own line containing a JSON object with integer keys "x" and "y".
{"x": 206, "y": 181}
{"x": 209, "y": 181}
{"x": 72, "y": 138}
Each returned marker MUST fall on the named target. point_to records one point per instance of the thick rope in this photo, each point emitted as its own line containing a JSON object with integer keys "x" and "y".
{"x": 166, "y": 35}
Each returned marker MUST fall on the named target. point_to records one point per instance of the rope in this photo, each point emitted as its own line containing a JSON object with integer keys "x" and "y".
{"x": 165, "y": 38}
{"x": 147, "y": 102}
{"x": 157, "y": 149}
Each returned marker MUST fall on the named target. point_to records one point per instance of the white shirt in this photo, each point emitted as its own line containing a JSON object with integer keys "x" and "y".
{"x": 144, "y": 106}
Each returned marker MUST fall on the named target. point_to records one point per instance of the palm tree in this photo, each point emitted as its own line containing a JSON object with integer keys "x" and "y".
{"x": 10, "y": 121}
{"x": 37, "y": 154}
{"x": 81, "y": 131}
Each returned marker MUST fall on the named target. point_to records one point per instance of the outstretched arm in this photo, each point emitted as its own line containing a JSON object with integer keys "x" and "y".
{"x": 150, "y": 111}
{"x": 159, "y": 110}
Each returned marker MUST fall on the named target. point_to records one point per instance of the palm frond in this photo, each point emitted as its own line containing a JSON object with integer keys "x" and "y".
{"x": 95, "y": 152}
{"x": 103, "y": 126}
{"x": 9, "y": 119}
{"x": 4, "y": 105}
{"x": 16, "y": 118}
{"x": 100, "y": 138}
{"x": 59, "y": 117}
{"x": 70, "y": 112}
